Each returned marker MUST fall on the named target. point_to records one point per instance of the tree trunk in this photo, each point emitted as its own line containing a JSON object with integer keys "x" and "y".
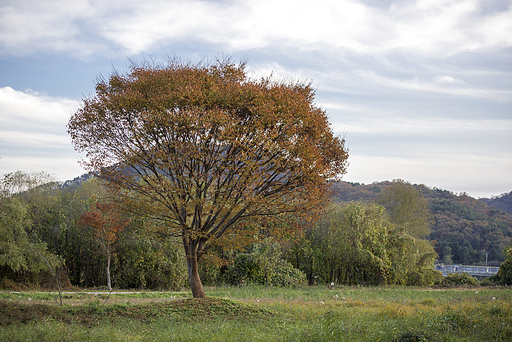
{"x": 193, "y": 272}
{"x": 108, "y": 272}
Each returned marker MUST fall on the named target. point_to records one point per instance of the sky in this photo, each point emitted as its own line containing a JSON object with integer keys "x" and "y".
{"x": 420, "y": 89}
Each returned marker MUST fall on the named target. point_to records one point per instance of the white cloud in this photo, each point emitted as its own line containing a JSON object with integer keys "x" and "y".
{"x": 18, "y": 106}
{"x": 494, "y": 31}
{"x": 443, "y": 85}
{"x": 64, "y": 167}
{"x": 444, "y": 79}
{"x": 33, "y": 134}
{"x": 34, "y": 139}
{"x": 31, "y": 26}
{"x": 435, "y": 28}
{"x": 387, "y": 124}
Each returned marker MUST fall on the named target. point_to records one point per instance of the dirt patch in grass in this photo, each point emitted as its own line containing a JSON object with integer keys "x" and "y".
{"x": 92, "y": 313}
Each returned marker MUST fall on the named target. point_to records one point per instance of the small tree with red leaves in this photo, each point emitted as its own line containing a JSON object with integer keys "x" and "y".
{"x": 107, "y": 225}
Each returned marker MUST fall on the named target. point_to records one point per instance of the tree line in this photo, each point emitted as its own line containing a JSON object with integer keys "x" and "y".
{"x": 464, "y": 230}
{"x": 53, "y": 220}
{"x": 93, "y": 243}
{"x": 502, "y": 202}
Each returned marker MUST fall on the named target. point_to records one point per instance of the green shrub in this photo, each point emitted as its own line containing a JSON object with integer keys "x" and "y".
{"x": 145, "y": 263}
{"x": 424, "y": 277}
{"x": 504, "y": 275}
{"x": 489, "y": 281}
{"x": 411, "y": 337}
{"x": 459, "y": 279}
{"x": 288, "y": 276}
{"x": 245, "y": 269}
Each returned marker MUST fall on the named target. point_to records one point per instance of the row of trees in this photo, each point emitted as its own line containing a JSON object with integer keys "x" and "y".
{"x": 501, "y": 202}
{"x": 78, "y": 231}
{"x": 371, "y": 243}
{"x": 50, "y": 227}
{"x": 22, "y": 252}
{"x": 469, "y": 232}
{"x": 463, "y": 230}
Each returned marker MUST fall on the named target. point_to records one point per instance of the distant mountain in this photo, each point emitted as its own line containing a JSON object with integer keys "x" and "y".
{"x": 465, "y": 230}
{"x": 501, "y": 202}
{"x": 77, "y": 180}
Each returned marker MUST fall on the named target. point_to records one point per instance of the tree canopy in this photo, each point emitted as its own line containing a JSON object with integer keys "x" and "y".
{"x": 19, "y": 251}
{"x": 205, "y": 148}
{"x": 407, "y": 208}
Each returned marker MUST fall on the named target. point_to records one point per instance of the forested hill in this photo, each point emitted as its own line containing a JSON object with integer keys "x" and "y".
{"x": 464, "y": 228}
{"x": 77, "y": 180}
{"x": 502, "y": 202}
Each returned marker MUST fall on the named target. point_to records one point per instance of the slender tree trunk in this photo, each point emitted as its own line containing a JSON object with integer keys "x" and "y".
{"x": 108, "y": 272}
{"x": 193, "y": 271}
{"x": 54, "y": 273}
{"x": 297, "y": 255}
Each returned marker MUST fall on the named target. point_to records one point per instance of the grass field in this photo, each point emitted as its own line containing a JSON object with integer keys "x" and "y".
{"x": 258, "y": 314}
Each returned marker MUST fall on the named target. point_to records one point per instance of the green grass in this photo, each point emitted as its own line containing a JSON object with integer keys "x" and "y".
{"x": 257, "y": 314}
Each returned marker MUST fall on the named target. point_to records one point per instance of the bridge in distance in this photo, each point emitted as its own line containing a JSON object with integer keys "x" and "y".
{"x": 476, "y": 271}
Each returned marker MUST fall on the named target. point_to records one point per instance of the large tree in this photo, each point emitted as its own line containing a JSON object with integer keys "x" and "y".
{"x": 410, "y": 212}
{"x": 206, "y": 148}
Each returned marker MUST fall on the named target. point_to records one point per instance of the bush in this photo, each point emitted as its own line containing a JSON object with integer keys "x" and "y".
{"x": 504, "y": 275}
{"x": 459, "y": 279}
{"x": 245, "y": 269}
{"x": 143, "y": 263}
{"x": 489, "y": 281}
{"x": 26, "y": 280}
{"x": 288, "y": 276}
{"x": 424, "y": 277}
{"x": 411, "y": 337}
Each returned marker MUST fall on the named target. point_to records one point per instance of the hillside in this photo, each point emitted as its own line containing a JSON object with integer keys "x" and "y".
{"x": 501, "y": 202}
{"x": 464, "y": 231}
{"x": 77, "y": 181}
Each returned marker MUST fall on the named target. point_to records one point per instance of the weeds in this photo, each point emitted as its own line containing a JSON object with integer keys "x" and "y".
{"x": 259, "y": 314}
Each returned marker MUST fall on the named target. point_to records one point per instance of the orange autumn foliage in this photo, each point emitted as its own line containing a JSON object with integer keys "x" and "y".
{"x": 207, "y": 150}
{"x": 106, "y": 222}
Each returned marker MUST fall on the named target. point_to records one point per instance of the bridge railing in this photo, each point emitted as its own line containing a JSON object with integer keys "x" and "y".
{"x": 472, "y": 270}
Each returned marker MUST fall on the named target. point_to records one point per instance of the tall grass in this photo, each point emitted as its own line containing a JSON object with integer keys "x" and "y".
{"x": 301, "y": 314}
